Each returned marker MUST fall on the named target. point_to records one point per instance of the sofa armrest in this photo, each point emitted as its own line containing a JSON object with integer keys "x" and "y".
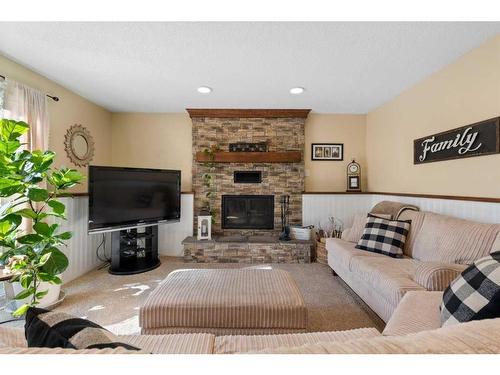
{"x": 437, "y": 276}
{"x": 417, "y": 311}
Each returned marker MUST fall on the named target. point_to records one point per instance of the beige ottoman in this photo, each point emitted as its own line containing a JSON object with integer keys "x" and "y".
{"x": 225, "y": 301}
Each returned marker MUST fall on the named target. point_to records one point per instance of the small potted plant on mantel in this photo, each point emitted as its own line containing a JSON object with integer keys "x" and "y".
{"x": 30, "y": 239}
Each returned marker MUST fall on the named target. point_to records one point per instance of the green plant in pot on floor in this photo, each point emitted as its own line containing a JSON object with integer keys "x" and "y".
{"x": 30, "y": 238}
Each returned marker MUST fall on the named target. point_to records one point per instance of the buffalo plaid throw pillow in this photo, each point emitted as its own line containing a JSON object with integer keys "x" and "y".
{"x": 475, "y": 294}
{"x": 384, "y": 236}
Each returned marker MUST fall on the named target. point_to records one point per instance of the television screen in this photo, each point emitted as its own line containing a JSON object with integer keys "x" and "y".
{"x": 124, "y": 197}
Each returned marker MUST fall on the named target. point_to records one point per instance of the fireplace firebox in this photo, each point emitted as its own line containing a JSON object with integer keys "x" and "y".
{"x": 248, "y": 212}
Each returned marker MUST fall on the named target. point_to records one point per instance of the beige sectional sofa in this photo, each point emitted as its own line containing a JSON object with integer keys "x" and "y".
{"x": 411, "y": 330}
{"x": 437, "y": 249}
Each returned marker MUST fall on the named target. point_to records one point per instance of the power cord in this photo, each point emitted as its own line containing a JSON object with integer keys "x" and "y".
{"x": 102, "y": 245}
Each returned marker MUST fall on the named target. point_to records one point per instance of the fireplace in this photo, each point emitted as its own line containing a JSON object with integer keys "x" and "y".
{"x": 248, "y": 212}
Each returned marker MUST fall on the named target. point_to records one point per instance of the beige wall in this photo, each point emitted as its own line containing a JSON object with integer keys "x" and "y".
{"x": 69, "y": 110}
{"x": 462, "y": 93}
{"x": 334, "y": 128}
{"x": 153, "y": 140}
{"x": 163, "y": 140}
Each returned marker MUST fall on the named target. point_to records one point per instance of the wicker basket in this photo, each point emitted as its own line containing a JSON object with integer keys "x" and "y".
{"x": 321, "y": 252}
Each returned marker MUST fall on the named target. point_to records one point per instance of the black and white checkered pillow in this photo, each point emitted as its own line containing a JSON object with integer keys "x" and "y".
{"x": 475, "y": 294}
{"x": 55, "y": 329}
{"x": 384, "y": 236}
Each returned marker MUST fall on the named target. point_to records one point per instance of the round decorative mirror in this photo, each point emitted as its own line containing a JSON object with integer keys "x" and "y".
{"x": 79, "y": 145}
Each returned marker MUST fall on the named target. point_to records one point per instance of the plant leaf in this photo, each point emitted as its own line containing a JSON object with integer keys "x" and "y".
{"x": 10, "y": 187}
{"x": 30, "y": 239}
{"x": 41, "y": 294}
{"x": 65, "y": 236}
{"x": 21, "y": 311}
{"x": 57, "y": 206}
{"x": 57, "y": 263}
{"x": 27, "y": 213}
{"x": 25, "y": 293}
{"x": 42, "y": 229}
{"x": 37, "y": 194}
{"x": 44, "y": 258}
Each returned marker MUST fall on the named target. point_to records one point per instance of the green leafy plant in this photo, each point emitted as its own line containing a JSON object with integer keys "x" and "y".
{"x": 30, "y": 186}
{"x": 209, "y": 180}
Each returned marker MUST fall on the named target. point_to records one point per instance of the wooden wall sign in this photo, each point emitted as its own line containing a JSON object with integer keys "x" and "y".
{"x": 481, "y": 138}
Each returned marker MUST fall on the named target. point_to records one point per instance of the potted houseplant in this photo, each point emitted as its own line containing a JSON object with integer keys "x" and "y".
{"x": 30, "y": 239}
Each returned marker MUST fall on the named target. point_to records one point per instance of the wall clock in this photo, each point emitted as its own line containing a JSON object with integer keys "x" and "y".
{"x": 353, "y": 176}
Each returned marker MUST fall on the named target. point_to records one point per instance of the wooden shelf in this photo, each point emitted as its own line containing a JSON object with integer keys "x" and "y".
{"x": 247, "y": 113}
{"x": 251, "y": 157}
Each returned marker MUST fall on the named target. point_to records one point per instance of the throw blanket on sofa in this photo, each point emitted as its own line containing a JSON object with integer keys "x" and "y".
{"x": 392, "y": 208}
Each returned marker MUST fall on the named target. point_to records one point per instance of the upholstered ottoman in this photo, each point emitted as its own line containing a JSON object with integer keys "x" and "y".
{"x": 225, "y": 301}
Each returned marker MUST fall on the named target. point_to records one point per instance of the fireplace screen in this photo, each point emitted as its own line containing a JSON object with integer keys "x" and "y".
{"x": 248, "y": 211}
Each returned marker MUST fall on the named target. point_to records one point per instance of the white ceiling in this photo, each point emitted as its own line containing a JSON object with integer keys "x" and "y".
{"x": 345, "y": 67}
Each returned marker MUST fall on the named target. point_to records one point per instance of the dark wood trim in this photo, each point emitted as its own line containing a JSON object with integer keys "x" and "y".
{"x": 334, "y": 192}
{"x": 449, "y": 197}
{"x": 411, "y": 195}
{"x": 247, "y": 113}
{"x": 72, "y": 195}
{"x": 250, "y": 157}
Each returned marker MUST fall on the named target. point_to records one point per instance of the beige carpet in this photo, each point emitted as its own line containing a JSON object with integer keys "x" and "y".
{"x": 113, "y": 301}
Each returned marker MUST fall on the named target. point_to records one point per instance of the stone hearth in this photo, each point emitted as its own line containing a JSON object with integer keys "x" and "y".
{"x": 246, "y": 249}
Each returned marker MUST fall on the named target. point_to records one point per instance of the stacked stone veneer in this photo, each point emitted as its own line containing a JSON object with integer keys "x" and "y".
{"x": 282, "y": 134}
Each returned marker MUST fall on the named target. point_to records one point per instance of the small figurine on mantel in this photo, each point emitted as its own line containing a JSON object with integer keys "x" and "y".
{"x": 204, "y": 225}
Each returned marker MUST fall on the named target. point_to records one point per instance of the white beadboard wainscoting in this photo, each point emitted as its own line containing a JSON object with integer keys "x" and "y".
{"x": 81, "y": 249}
{"x": 170, "y": 236}
{"x": 316, "y": 208}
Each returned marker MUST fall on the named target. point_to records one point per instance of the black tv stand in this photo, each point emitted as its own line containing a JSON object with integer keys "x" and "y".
{"x": 133, "y": 252}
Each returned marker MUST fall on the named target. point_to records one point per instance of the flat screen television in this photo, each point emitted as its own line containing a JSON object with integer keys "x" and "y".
{"x": 122, "y": 198}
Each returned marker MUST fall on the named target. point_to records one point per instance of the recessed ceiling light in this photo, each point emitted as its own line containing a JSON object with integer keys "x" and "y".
{"x": 204, "y": 90}
{"x": 296, "y": 90}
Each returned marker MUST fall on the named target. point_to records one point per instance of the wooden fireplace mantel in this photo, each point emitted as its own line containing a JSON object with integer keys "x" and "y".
{"x": 247, "y": 113}
{"x": 250, "y": 157}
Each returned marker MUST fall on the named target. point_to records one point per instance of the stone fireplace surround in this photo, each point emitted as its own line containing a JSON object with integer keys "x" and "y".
{"x": 283, "y": 130}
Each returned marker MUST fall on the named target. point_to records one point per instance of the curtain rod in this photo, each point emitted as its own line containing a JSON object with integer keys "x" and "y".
{"x": 54, "y": 98}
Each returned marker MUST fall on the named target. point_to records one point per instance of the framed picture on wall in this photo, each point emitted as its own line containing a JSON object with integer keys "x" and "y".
{"x": 327, "y": 151}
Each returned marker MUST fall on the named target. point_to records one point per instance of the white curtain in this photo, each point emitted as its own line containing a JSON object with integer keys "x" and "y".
{"x": 3, "y": 85}
{"x": 23, "y": 103}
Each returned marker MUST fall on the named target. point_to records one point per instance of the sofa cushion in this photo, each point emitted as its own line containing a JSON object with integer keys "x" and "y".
{"x": 12, "y": 337}
{"x": 475, "y": 294}
{"x": 390, "y": 277}
{"x": 186, "y": 343}
{"x": 452, "y": 240}
{"x": 418, "y": 311}
{"x": 244, "y": 344}
{"x": 341, "y": 252}
{"x": 53, "y": 329}
{"x": 417, "y": 219}
{"x": 435, "y": 275}
{"x": 384, "y": 236}
{"x": 480, "y": 337}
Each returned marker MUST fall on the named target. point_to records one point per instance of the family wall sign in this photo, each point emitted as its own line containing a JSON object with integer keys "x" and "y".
{"x": 481, "y": 138}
